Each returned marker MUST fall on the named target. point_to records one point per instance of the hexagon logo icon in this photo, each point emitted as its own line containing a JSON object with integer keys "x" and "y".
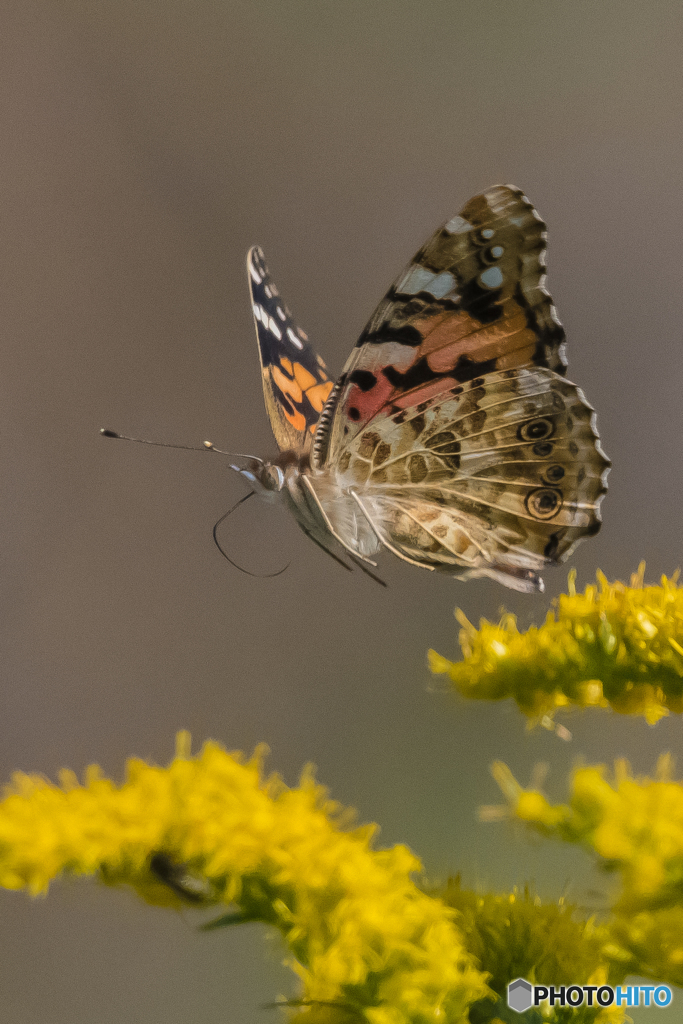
{"x": 519, "y": 995}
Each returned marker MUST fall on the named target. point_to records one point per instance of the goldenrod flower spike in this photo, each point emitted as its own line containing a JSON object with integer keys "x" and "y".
{"x": 635, "y": 827}
{"x": 365, "y": 941}
{"x": 613, "y": 646}
{"x": 518, "y": 935}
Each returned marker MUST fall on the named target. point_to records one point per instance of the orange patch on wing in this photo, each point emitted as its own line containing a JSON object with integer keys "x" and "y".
{"x": 445, "y": 329}
{"x": 490, "y": 342}
{"x": 319, "y": 394}
{"x": 297, "y": 419}
{"x": 287, "y": 363}
{"x": 448, "y": 337}
{"x": 518, "y": 357}
{"x": 304, "y": 379}
{"x": 287, "y": 386}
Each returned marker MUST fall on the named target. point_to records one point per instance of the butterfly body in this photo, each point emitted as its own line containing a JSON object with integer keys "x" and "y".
{"x": 451, "y": 437}
{"x": 322, "y": 504}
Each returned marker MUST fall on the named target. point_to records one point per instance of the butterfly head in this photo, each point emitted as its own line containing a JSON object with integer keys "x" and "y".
{"x": 264, "y": 478}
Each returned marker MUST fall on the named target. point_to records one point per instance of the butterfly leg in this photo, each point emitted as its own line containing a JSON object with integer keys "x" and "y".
{"x": 330, "y": 553}
{"x": 367, "y": 572}
{"x": 353, "y": 558}
{"x": 311, "y": 490}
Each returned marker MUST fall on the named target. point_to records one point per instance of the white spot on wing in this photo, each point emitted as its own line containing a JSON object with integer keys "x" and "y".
{"x": 416, "y": 279}
{"x": 280, "y": 313}
{"x": 274, "y": 328}
{"x": 457, "y": 224}
{"x": 257, "y": 311}
{"x": 419, "y": 279}
{"x": 492, "y": 278}
{"x": 268, "y": 292}
{"x": 388, "y": 353}
{"x": 293, "y": 338}
{"x": 442, "y": 285}
{"x": 253, "y": 273}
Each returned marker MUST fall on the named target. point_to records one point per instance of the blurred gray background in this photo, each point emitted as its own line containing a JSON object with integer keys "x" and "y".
{"x": 145, "y": 147}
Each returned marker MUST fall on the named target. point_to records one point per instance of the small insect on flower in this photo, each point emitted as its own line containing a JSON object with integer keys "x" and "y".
{"x": 451, "y": 438}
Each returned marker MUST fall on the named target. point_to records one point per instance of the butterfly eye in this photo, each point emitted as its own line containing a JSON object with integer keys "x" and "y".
{"x": 544, "y": 502}
{"x": 536, "y": 430}
{"x": 273, "y": 478}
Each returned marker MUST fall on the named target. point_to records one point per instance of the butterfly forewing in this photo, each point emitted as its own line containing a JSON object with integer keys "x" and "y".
{"x": 295, "y": 379}
{"x": 471, "y": 301}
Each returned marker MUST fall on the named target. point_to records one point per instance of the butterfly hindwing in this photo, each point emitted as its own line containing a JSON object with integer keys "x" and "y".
{"x": 295, "y": 379}
{"x": 471, "y": 301}
{"x": 500, "y": 475}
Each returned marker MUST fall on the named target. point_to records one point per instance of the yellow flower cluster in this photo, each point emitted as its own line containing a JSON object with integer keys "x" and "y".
{"x": 614, "y": 645}
{"x": 517, "y": 935}
{"x": 366, "y": 942}
{"x": 635, "y": 826}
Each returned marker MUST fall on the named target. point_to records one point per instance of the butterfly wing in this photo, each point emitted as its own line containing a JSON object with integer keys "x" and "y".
{"x": 295, "y": 379}
{"x": 452, "y": 425}
{"x": 471, "y": 301}
{"x": 497, "y": 477}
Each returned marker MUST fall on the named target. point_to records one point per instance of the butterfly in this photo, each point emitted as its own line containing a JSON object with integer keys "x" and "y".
{"x": 452, "y": 438}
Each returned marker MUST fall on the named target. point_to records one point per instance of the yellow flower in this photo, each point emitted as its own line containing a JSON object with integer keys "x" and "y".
{"x": 212, "y": 830}
{"x": 517, "y": 935}
{"x": 635, "y": 827}
{"x": 613, "y": 646}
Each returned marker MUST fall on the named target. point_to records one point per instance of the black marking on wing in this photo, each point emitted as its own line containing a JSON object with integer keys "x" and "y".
{"x": 481, "y": 303}
{"x": 405, "y": 335}
{"x": 420, "y": 373}
{"x": 365, "y": 379}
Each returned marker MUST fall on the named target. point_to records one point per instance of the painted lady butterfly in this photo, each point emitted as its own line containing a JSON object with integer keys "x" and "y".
{"x": 451, "y": 438}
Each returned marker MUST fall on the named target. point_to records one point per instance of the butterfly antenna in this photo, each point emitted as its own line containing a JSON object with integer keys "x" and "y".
{"x": 247, "y": 572}
{"x": 208, "y": 446}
